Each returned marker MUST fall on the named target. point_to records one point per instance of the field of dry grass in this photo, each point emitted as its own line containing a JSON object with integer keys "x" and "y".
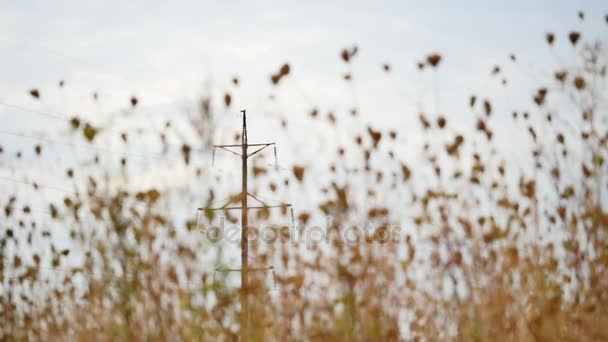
{"x": 493, "y": 250}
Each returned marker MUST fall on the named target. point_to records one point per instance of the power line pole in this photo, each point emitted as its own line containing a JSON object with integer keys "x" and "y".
{"x": 244, "y": 154}
{"x": 244, "y": 225}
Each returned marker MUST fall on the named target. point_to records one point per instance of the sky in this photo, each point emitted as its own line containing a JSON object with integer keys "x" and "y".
{"x": 168, "y": 51}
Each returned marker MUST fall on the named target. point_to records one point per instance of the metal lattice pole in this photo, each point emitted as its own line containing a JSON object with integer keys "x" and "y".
{"x": 244, "y": 154}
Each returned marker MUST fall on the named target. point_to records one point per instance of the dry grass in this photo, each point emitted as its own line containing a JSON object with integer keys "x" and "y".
{"x": 482, "y": 225}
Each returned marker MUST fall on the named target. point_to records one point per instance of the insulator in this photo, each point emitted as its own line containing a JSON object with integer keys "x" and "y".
{"x": 213, "y": 157}
{"x": 276, "y": 164}
{"x": 293, "y": 221}
{"x": 274, "y": 278}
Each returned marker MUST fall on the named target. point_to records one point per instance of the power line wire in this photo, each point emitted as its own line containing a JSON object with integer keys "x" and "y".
{"x": 54, "y": 116}
{"x": 62, "y": 118}
{"x": 103, "y": 150}
{"x": 37, "y": 185}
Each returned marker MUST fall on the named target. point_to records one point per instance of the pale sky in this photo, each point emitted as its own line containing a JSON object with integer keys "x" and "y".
{"x": 165, "y": 51}
{"x": 168, "y": 53}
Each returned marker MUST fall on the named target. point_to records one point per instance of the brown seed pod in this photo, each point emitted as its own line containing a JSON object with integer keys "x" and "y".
{"x": 487, "y": 106}
{"x": 227, "y": 99}
{"x": 441, "y": 122}
{"x": 561, "y": 75}
{"x": 298, "y": 172}
{"x": 433, "y": 59}
{"x": 574, "y": 37}
{"x": 579, "y": 83}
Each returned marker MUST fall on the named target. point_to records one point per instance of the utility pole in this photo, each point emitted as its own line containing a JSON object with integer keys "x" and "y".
{"x": 244, "y": 154}
{"x": 244, "y": 225}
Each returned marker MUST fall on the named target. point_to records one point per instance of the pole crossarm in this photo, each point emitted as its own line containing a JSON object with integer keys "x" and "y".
{"x": 286, "y": 205}
{"x": 220, "y": 269}
{"x": 226, "y": 148}
{"x": 232, "y": 199}
{"x": 240, "y": 145}
{"x": 259, "y": 149}
{"x": 252, "y": 269}
{"x": 257, "y": 199}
